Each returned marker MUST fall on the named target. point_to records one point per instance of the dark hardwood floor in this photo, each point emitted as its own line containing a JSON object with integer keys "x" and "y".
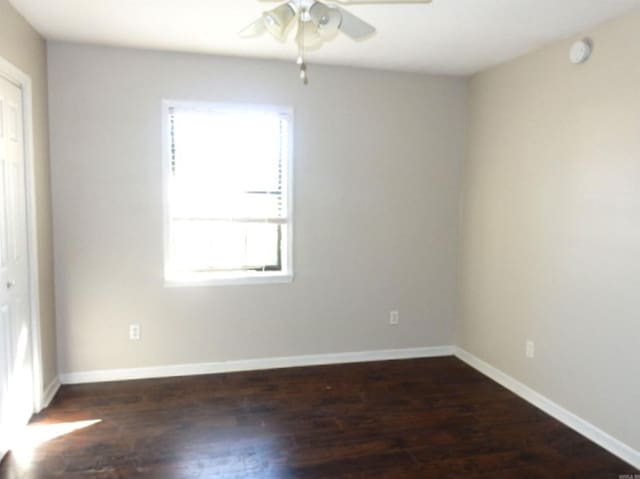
{"x": 429, "y": 418}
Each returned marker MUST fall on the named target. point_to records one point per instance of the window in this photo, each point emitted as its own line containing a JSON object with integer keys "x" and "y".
{"x": 228, "y": 206}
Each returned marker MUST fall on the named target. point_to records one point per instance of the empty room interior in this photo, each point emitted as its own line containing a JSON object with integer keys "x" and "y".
{"x": 270, "y": 239}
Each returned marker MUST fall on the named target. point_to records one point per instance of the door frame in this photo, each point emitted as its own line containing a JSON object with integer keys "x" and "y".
{"x": 21, "y": 79}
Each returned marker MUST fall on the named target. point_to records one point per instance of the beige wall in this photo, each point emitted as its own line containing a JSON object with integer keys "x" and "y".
{"x": 21, "y": 45}
{"x": 377, "y": 160}
{"x": 551, "y": 226}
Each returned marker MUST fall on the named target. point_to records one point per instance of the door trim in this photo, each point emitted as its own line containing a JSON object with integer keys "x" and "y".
{"x": 21, "y": 79}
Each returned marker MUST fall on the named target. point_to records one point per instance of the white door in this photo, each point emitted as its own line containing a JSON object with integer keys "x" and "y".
{"x": 16, "y": 368}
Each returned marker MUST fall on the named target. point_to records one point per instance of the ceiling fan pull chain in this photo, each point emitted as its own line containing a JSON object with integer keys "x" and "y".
{"x": 301, "y": 63}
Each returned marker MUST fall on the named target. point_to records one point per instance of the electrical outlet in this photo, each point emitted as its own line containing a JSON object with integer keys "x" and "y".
{"x": 134, "y": 332}
{"x": 394, "y": 318}
{"x": 530, "y": 349}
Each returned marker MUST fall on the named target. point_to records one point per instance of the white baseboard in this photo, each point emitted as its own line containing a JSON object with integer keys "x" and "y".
{"x": 50, "y": 392}
{"x": 251, "y": 365}
{"x": 611, "y": 444}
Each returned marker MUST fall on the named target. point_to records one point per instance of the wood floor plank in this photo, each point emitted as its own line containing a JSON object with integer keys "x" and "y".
{"x": 427, "y": 418}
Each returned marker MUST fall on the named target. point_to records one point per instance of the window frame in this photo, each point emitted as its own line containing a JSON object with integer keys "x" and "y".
{"x": 171, "y": 279}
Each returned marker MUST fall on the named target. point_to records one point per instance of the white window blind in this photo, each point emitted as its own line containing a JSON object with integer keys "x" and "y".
{"x": 228, "y": 192}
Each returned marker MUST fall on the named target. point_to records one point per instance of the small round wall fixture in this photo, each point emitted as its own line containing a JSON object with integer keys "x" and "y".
{"x": 581, "y": 51}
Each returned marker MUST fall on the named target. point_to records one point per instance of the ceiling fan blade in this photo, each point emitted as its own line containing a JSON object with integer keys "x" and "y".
{"x": 355, "y": 27}
{"x": 256, "y": 28}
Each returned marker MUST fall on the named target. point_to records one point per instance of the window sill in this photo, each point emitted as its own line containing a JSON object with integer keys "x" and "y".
{"x": 203, "y": 279}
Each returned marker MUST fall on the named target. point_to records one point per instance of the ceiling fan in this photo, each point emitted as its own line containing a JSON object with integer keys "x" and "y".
{"x": 317, "y": 22}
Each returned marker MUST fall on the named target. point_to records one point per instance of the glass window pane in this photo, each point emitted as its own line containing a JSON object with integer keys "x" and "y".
{"x": 220, "y": 158}
{"x": 228, "y": 184}
{"x": 224, "y": 246}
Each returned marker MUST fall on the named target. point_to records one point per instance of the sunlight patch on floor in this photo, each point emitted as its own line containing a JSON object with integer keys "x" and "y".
{"x": 33, "y": 435}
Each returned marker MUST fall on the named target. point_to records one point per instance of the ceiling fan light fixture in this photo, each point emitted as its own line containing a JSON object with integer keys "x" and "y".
{"x": 319, "y": 13}
{"x": 326, "y": 19}
{"x": 309, "y": 36}
{"x": 316, "y": 23}
{"x": 278, "y": 19}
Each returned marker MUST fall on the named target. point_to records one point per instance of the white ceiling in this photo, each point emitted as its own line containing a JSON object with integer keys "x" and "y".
{"x": 449, "y": 36}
